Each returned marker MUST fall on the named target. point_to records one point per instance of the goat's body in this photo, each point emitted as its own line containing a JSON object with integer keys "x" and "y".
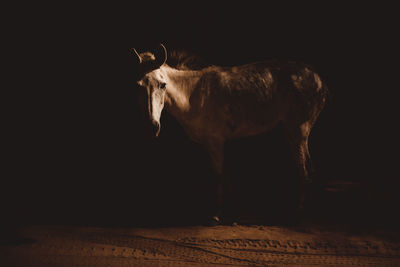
{"x": 215, "y": 104}
{"x": 227, "y": 103}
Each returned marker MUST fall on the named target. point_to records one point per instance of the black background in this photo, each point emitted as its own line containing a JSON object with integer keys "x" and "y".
{"x": 78, "y": 153}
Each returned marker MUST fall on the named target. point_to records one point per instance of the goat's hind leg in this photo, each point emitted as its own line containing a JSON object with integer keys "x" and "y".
{"x": 298, "y": 138}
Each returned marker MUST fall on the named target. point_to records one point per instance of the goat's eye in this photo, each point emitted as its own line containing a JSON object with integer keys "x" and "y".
{"x": 162, "y": 86}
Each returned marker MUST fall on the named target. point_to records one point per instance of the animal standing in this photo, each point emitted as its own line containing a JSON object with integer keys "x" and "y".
{"x": 215, "y": 104}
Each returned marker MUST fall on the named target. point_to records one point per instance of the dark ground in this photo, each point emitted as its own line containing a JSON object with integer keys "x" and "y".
{"x": 78, "y": 154}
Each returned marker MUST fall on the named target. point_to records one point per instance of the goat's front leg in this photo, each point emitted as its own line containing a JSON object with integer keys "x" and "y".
{"x": 216, "y": 151}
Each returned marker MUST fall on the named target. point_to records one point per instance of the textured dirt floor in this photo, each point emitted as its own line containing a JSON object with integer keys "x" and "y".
{"x": 345, "y": 232}
{"x": 200, "y": 246}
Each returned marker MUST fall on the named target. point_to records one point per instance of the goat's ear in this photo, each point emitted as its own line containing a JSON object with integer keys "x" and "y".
{"x": 136, "y": 55}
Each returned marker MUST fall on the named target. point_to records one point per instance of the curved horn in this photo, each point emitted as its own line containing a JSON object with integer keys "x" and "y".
{"x": 137, "y": 54}
{"x": 163, "y": 56}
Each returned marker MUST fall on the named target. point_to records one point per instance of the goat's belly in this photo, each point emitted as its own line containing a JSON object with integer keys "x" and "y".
{"x": 253, "y": 120}
{"x": 236, "y": 130}
{"x": 235, "y": 119}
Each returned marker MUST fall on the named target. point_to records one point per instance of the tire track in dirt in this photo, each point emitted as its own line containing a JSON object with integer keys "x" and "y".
{"x": 102, "y": 247}
{"x": 300, "y": 252}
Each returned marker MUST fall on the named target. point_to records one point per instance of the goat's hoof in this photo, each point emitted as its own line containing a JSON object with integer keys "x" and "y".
{"x": 214, "y": 221}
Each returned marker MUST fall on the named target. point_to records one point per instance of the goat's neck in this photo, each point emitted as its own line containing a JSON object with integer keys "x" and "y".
{"x": 180, "y": 86}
